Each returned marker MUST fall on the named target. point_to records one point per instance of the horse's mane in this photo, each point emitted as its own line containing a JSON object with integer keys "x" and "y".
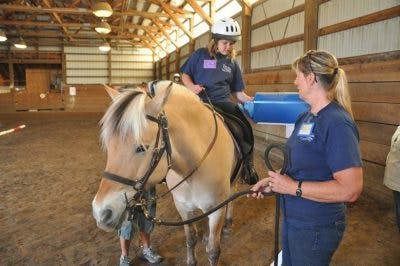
{"x": 126, "y": 116}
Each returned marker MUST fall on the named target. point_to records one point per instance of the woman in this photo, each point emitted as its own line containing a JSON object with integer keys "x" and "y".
{"x": 214, "y": 75}
{"x": 324, "y": 167}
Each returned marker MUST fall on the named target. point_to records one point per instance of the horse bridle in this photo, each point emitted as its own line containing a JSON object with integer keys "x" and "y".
{"x": 160, "y": 147}
{"x": 158, "y": 152}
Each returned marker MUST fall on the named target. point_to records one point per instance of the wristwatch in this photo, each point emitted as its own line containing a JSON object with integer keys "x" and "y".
{"x": 298, "y": 190}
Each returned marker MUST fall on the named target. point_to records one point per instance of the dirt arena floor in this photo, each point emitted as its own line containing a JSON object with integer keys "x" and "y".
{"x": 50, "y": 172}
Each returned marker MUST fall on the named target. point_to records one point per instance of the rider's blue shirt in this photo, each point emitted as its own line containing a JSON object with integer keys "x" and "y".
{"x": 319, "y": 146}
{"x": 220, "y": 76}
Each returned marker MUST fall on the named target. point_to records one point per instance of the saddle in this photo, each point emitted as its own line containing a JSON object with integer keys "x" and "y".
{"x": 236, "y": 128}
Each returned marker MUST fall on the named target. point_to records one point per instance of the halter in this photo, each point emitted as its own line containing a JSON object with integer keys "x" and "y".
{"x": 160, "y": 147}
{"x": 158, "y": 152}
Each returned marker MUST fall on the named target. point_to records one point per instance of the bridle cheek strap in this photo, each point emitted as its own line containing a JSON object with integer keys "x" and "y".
{"x": 158, "y": 152}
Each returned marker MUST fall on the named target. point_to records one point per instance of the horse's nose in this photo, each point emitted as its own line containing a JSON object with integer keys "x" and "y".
{"x": 106, "y": 216}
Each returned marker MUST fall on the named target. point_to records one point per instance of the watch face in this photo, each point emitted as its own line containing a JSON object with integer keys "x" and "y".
{"x": 298, "y": 192}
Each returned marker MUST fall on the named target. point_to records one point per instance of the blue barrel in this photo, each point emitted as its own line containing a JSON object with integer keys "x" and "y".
{"x": 280, "y": 108}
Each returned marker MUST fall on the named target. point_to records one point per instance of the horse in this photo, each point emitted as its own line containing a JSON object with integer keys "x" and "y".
{"x": 170, "y": 134}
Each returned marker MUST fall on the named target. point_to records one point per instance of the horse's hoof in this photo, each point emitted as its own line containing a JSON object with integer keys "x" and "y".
{"x": 226, "y": 231}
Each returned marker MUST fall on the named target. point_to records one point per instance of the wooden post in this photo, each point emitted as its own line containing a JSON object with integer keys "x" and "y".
{"x": 167, "y": 74}
{"x": 177, "y": 60}
{"x": 311, "y": 25}
{"x": 160, "y": 69}
{"x": 192, "y": 41}
{"x": 109, "y": 67}
{"x": 246, "y": 39}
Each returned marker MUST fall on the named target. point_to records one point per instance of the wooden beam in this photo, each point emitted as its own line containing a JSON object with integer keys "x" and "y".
{"x": 361, "y": 21}
{"x": 166, "y": 8}
{"x": 287, "y": 13}
{"x": 246, "y": 39}
{"x": 166, "y": 34}
{"x": 85, "y": 11}
{"x": 291, "y": 39}
{"x": 197, "y": 8}
{"x": 310, "y": 25}
{"x": 155, "y": 41}
{"x": 57, "y": 17}
{"x": 76, "y": 25}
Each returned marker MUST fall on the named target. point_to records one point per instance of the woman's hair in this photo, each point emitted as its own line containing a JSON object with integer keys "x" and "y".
{"x": 212, "y": 49}
{"x": 326, "y": 69}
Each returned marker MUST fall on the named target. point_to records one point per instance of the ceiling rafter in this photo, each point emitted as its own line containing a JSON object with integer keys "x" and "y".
{"x": 57, "y": 17}
{"x": 167, "y": 9}
{"x": 166, "y": 34}
{"x": 196, "y": 7}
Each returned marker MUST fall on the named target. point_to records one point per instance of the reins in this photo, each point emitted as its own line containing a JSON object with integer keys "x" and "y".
{"x": 197, "y": 218}
{"x": 202, "y": 158}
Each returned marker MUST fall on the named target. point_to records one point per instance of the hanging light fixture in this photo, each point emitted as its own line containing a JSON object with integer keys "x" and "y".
{"x": 21, "y": 44}
{"x": 102, "y": 10}
{"x": 3, "y": 36}
{"x": 103, "y": 28}
{"x": 105, "y": 47}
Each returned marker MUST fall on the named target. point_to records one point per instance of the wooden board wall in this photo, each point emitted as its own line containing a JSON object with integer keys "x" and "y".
{"x": 37, "y": 94}
{"x": 374, "y": 84}
{"x": 89, "y": 98}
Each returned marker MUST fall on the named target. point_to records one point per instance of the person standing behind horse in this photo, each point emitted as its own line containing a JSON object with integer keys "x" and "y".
{"x": 325, "y": 168}
{"x": 140, "y": 224}
{"x": 214, "y": 75}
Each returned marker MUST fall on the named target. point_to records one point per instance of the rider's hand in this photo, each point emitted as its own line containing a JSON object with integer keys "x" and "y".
{"x": 196, "y": 88}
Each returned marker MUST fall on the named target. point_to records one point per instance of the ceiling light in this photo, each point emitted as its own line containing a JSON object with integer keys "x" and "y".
{"x": 3, "y": 36}
{"x": 102, "y": 10}
{"x": 21, "y": 44}
{"x": 105, "y": 47}
{"x": 103, "y": 28}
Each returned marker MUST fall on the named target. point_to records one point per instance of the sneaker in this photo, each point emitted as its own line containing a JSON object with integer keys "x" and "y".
{"x": 151, "y": 255}
{"x": 125, "y": 261}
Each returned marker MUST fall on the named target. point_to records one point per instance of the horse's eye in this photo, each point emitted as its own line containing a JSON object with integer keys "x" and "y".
{"x": 141, "y": 149}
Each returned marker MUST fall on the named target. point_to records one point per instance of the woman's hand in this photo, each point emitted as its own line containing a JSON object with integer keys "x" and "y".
{"x": 243, "y": 97}
{"x": 260, "y": 186}
{"x": 281, "y": 184}
{"x": 196, "y": 88}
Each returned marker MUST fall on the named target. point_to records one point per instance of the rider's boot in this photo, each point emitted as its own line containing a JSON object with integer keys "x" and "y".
{"x": 249, "y": 174}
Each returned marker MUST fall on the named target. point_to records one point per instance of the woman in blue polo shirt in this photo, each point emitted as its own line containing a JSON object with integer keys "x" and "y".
{"x": 325, "y": 164}
{"x": 214, "y": 75}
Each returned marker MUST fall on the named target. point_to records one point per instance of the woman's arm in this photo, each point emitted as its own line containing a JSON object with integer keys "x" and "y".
{"x": 345, "y": 187}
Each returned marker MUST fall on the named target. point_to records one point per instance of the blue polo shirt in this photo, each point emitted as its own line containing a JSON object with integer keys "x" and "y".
{"x": 319, "y": 146}
{"x": 220, "y": 76}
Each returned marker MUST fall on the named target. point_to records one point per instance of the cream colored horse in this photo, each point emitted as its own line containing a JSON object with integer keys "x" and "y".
{"x": 126, "y": 129}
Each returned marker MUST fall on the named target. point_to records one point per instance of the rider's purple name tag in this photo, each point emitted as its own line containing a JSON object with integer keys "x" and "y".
{"x": 210, "y": 64}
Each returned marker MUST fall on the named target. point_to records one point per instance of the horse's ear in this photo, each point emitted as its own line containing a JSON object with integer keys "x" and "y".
{"x": 160, "y": 97}
{"x": 111, "y": 92}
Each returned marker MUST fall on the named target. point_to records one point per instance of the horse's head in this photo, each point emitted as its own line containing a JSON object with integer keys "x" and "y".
{"x": 132, "y": 135}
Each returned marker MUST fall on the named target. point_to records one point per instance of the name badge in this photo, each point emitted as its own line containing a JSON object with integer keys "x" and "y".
{"x": 210, "y": 64}
{"x": 306, "y": 129}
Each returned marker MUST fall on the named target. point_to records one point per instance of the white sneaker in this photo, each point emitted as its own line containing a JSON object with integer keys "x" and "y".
{"x": 151, "y": 255}
{"x": 125, "y": 261}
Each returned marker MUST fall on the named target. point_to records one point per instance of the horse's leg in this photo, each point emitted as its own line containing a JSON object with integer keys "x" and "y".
{"x": 190, "y": 233}
{"x": 191, "y": 239}
{"x": 215, "y": 223}
{"x": 227, "y": 229}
